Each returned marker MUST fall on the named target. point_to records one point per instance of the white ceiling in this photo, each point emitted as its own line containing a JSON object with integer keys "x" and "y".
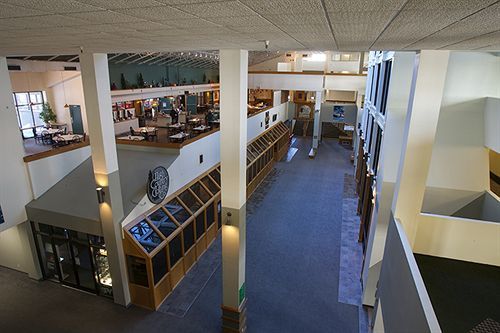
{"x": 62, "y": 26}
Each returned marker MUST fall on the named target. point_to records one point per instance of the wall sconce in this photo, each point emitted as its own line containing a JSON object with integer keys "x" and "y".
{"x": 100, "y": 194}
{"x": 228, "y": 218}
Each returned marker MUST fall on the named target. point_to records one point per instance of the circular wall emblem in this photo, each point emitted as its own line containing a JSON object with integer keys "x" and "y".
{"x": 158, "y": 182}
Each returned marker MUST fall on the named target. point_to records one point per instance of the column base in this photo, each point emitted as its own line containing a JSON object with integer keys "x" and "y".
{"x": 234, "y": 320}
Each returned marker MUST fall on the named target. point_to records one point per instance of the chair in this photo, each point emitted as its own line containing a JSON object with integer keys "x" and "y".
{"x": 84, "y": 137}
{"x": 77, "y": 138}
{"x": 46, "y": 137}
{"x": 58, "y": 142}
{"x": 131, "y": 131}
{"x": 38, "y": 137}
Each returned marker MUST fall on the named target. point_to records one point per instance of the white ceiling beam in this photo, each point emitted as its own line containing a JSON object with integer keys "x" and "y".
{"x": 115, "y": 56}
{"x": 74, "y": 58}
{"x": 126, "y": 58}
{"x": 140, "y": 58}
{"x": 161, "y": 54}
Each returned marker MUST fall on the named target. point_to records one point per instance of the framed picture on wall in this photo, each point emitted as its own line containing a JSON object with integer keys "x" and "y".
{"x": 1, "y": 216}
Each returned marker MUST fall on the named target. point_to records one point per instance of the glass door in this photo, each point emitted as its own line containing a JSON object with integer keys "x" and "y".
{"x": 66, "y": 264}
{"x": 84, "y": 267}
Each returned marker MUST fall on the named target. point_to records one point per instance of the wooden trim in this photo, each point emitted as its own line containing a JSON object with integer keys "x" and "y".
{"x": 55, "y": 151}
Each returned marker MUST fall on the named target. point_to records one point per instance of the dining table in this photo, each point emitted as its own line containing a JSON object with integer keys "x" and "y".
{"x": 201, "y": 128}
{"x": 179, "y": 137}
{"x": 70, "y": 137}
{"x": 132, "y": 138}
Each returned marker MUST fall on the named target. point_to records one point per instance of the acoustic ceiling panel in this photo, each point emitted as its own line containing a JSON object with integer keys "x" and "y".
{"x": 102, "y": 25}
{"x": 412, "y": 25}
{"x": 217, "y": 9}
{"x": 363, "y": 5}
{"x": 58, "y": 7}
{"x": 279, "y": 7}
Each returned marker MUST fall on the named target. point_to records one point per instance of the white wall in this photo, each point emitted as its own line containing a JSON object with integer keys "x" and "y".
{"x": 27, "y": 81}
{"x": 46, "y": 172}
{"x": 458, "y": 238}
{"x": 459, "y": 157}
{"x": 185, "y": 168}
{"x": 16, "y": 252}
{"x": 66, "y": 88}
{"x": 347, "y": 82}
{"x": 271, "y": 65}
{"x": 15, "y": 190}
{"x": 492, "y": 123}
{"x": 284, "y": 81}
{"x": 343, "y": 66}
{"x": 256, "y": 124}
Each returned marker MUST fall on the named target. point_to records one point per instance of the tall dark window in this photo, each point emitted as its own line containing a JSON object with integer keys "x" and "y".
{"x": 29, "y": 104}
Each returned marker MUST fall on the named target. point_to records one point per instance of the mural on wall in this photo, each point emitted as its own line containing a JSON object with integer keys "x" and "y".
{"x": 158, "y": 183}
{"x": 1, "y": 216}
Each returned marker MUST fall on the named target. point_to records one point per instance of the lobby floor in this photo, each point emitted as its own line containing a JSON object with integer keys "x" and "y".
{"x": 292, "y": 275}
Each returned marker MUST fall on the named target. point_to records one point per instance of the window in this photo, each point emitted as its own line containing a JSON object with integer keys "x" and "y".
{"x": 29, "y": 105}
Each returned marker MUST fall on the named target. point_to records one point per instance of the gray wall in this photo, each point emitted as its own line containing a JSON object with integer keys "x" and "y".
{"x": 406, "y": 306}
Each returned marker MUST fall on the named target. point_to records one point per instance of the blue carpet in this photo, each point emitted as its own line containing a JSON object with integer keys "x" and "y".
{"x": 292, "y": 275}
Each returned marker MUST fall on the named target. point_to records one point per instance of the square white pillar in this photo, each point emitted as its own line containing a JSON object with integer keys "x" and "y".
{"x": 233, "y": 109}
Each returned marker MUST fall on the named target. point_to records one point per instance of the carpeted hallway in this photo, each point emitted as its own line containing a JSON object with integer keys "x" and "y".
{"x": 293, "y": 256}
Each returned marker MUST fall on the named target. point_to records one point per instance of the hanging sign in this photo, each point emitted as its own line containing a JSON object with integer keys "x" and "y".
{"x": 158, "y": 182}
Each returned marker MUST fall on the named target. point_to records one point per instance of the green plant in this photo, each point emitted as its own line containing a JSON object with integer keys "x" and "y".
{"x": 123, "y": 81}
{"x": 47, "y": 114}
{"x": 140, "y": 81}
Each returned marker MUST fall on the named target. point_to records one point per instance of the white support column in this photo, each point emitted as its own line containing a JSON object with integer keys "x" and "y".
{"x": 390, "y": 153}
{"x": 317, "y": 123}
{"x": 15, "y": 188}
{"x": 233, "y": 105}
{"x": 420, "y": 129}
{"x": 95, "y": 79}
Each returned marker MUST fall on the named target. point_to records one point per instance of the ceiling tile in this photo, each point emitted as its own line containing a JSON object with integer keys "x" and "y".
{"x": 276, "y": 7}
{"x": 363, "y": 5}
{"x": 290, "y": 19}
{"x": 40, "y": 21}
{"x": 59, "y": 6}
{"x": 7, "y": 11}
{"x": 106, "y": 17}
{"x": 121, "y": 4}
{"x": 216, "y": 9}
{"x": 471, "y": 5}
{"x": 158, "y": 14}
{"x": 411, "y": 25}
{"x": 247, "y": 21}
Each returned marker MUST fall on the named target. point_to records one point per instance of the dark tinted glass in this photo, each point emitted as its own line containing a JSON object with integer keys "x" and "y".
{"x": 210, "y": 185}
{"x": 216, "y": 176}
{"x": 159, "y": 265}
{"x": 188, "y": 236}
{"x": 161, "y": 220}
{"x": 210, "y": 215}
{"x": 175, "y": 249}
{"x": 200, "y": 225}
{"x": 137, "y": 273}
{"x": 177, "y": 210}
{"x": 146, "y": 236}
{"x": 190, "y": 201}
{"x": 200, "y": 192}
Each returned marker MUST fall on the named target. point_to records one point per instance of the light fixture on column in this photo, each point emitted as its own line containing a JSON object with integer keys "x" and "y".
{"x": 100, "y": 194}
{"x": 228, "y": 218}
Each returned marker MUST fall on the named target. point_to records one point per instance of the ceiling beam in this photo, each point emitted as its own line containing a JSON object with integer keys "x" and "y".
{"x": 114, "y": 56}
{"x": 52, "y": 58}
{"x": 159, "y": 55}
{"x": 140, "y": 58}
{"x": 166, "y": 57}
{"x": 126, "y": 58}
{"x": 74, "y": 58}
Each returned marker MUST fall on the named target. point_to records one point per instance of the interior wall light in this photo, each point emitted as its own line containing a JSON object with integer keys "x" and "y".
{"x": 228, "y": 218}
{"x": 100, "y": 194}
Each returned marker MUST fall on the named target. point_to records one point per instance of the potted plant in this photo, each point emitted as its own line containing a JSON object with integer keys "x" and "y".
{"x": 47, "y": 114}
